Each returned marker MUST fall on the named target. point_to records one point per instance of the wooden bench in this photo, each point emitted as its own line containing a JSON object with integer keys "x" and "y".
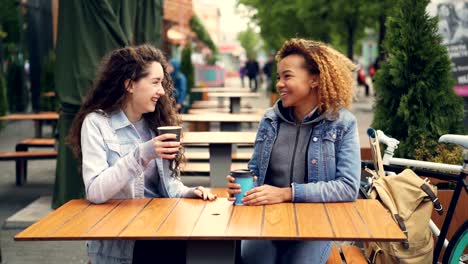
{"x": 24, "y": 145}
{"x": 21, "y": 158}
{"x": 350, "y": 254}
{"x": 38, "y": 119}
{"x": 215, "y": 104}
{"x": 204, "y": 167}
{"x": 224, "y": 110}
{"x": 204, "y": 156}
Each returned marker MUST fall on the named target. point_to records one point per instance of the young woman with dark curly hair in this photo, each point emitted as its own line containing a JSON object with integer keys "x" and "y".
{"x": 115, "y": 137}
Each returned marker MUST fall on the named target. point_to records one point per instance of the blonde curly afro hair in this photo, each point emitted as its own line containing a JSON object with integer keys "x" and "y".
{"x": 334, "y": 70}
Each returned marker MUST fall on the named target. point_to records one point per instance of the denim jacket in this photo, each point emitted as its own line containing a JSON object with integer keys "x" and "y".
{"x": 114, "y": 159}
{"x": 333, "y": 155}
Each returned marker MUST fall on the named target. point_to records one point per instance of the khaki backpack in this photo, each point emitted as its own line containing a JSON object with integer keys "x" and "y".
{"x": 408, "y": 198}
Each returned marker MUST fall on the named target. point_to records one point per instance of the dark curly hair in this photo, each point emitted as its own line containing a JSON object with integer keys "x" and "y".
{"x": 109, "y": 92}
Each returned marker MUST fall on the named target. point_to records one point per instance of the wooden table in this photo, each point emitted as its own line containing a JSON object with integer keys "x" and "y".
{"x": 38, "y": 119}
{"x": 197, "y": 111}
{"x": 234, "y": 98}
{"x": 228, "y": 122}
{"x": 211, "y": 228}
{"x": 219, "y": 89}
{"x": 220, "y": 146}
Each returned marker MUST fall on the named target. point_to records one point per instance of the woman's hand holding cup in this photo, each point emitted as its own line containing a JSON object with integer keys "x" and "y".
{"x": 235, "y": 190}
{"x": 166, "y": 149}
{"x": 167, "y": 144}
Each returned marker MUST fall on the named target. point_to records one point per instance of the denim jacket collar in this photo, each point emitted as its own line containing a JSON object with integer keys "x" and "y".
{"x": 119, "y": 119}
{"x": 271, "y": 115}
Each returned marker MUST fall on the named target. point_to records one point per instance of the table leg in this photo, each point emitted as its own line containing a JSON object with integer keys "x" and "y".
{"x": 211, "y": 252}
{"x": 220, "y": 164}
{"x": 220, "y": 102}
{"x": 38, "y": 128}
{"x": 230, "y": 126}
{"x": 234, "y": 106}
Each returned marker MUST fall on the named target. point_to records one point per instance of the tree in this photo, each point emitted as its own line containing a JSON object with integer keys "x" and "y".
{"x": 299, "y": 18}
{"x": 348, "y": 18}
{"x": 415, "y": 100}
{"x": 186, "y": 67}
{"x": 375, "y": 14}
{"x": 48, "y": 103}
{"x": 10, "y": 21}
{"x": 3, "y": 100}
{"x": 197, "y": 26}
{"x": 249, "y": 40}
{"x": 313, "y": 19}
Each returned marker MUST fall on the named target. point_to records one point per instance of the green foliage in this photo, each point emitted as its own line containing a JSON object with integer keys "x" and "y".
{"x": 3, "y": 100}
{"x": 16, "y": 87}
{"x": 272, "y": 87}
{"x": 441, "y": 153}
{"x": 348, "y": 19}
{"x": 340, "y": 22}
{"x": 48, "y": 84}
{"x": 197, "y": 26}
{"x": 10, "y": 22}
{"x": 186, "y": 67}
{"x": 415, "y": 100}
{"x": 279, "y": 21}
{"x": 211, "y": 59}
{"x": 249, "y": 40}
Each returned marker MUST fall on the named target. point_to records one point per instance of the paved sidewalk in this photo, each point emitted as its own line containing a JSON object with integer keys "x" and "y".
{"x": 41, "y": 175}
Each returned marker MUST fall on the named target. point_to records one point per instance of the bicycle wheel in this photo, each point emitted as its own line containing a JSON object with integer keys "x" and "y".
{"x": 457, "y": 245}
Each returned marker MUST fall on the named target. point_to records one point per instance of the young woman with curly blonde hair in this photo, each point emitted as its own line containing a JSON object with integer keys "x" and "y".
{"x": 307, "y": 147}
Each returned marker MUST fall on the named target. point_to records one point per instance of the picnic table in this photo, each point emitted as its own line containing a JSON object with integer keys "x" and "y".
{"x": 220, "y": 146}
{"x": 219, "y": 89}
{"x": 234, "y": 98}
{"x": 38, "y": 119}
{"x": 211, "y": 228}
{"x": 228, "y": 122}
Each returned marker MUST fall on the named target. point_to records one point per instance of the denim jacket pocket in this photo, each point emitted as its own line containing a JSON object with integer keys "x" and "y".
{"x": 261, "y": 136}
{"x": 114, "y": 147}
{"x": 329, "y": 141}
{"x": 126, "y": 147}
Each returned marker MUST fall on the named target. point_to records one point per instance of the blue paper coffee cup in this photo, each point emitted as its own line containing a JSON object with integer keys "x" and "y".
{"x": 246, "y": 181}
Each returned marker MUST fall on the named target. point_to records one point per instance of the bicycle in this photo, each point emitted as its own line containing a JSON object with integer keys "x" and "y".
{"x": 451, "y": 173}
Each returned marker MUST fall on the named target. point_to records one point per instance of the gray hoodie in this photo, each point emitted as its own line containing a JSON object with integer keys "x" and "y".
{"x": 288, "y": 161}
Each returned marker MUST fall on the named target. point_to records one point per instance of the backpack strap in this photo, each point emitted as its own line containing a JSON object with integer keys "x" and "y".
{"x": 435, "y": 200}
{"x": 402, "y": 226}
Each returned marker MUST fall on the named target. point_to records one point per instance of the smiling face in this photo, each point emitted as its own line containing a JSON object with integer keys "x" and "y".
{"x": 296, "y": 86}
{"x": 143, "y": 94}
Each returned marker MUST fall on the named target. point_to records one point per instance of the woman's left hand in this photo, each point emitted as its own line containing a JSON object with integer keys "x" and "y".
{"x": 204, "y": 193}
{"x": 267, "y": 194}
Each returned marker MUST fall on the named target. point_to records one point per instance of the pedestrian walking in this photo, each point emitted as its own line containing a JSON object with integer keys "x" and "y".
{"x": 252, "y": 70}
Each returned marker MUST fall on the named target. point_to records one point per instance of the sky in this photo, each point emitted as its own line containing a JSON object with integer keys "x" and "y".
{"x": 231, "y": 21}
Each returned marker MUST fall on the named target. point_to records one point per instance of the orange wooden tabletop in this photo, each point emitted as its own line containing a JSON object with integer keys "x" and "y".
{"x": 174, "y": 218}
{"x": 32, "y": 116}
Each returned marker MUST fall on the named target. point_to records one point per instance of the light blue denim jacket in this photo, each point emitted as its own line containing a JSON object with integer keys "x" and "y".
{"x": 114, "y": 159}
{"x": 333, "y": 172}
{"x": 333, "y": 155}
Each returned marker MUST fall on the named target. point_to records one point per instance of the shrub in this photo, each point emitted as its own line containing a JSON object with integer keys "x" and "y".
{"x": 415, "y": 100}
